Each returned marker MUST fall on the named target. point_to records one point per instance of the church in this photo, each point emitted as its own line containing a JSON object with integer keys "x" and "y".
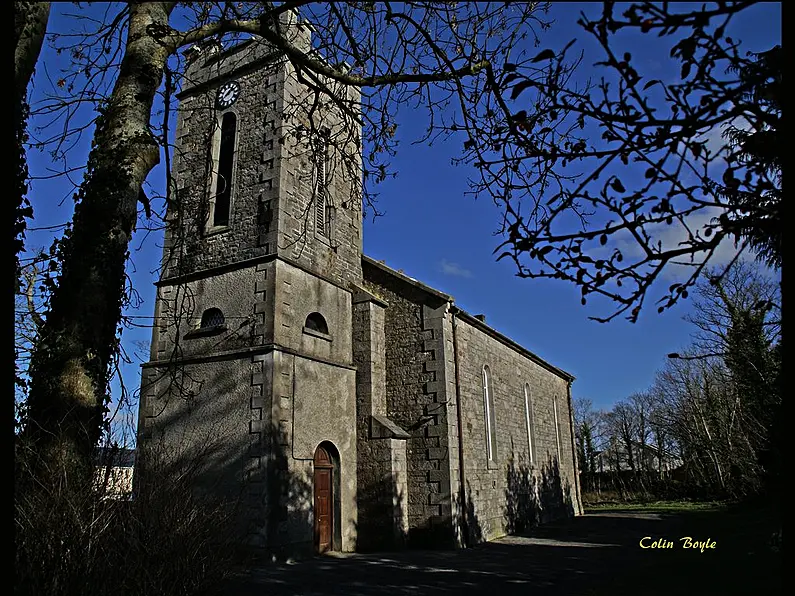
{"x": 342, "y": 404}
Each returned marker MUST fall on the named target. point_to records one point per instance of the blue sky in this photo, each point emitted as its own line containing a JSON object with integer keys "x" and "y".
{"x": 443, "y": 238}
{"x": 439, "y": 236}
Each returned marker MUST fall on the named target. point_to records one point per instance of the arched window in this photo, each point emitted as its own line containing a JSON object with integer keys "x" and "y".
{"x": 488, "y": 409}
{"x": 557, "y": 430}
{"x": 316, "y": 322}
{"x": 223, "y": 183}
{"x": 212, "y": 317}
{"x": 528, "y": 415}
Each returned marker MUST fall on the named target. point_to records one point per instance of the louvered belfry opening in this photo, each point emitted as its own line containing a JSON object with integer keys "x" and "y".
{"x": 321, "y": 186}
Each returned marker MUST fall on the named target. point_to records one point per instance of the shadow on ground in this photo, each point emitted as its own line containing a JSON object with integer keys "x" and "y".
{"x": 594, "y": 554}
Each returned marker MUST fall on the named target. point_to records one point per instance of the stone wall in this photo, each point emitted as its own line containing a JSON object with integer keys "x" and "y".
{"x": 245, "y": 296}
{"x": 306, "y": 119}
{"x": 210, "y": 419}
{"x": 189, "y": 244}
{"x": 299, "y": 294}
{"x": 415, "y": 400}
{"x": 314, "y": 403}
{"x": 253, "y": 424}
{"x": 381, "y": 447}
{"x": 289, "y": 398}
{"x": 515, "y": 490}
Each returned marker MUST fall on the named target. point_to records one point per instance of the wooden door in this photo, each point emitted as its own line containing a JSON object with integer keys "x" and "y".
{"x": 324, "y": 499}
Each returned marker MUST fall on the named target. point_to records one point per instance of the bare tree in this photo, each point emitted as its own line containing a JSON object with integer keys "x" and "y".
{"x": 589, "y": 432}
{"x": 703, "y": 422}
{"x": 738, "y": 322}
{"x": 720, "y": 299}
{"x": 593, "y": 177}
{"x": 624, "y": 426}
{"x": 592, "y": 435}
{"x": 640, "y": 404}
{"x": 660, "y": 424}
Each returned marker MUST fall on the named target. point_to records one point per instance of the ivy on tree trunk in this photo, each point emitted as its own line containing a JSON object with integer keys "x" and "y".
{"x": 70, "y": 365}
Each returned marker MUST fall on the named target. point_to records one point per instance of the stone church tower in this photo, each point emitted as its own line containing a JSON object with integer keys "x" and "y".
{"x": 339, "y": 403}
{"x": 254, "y": 312}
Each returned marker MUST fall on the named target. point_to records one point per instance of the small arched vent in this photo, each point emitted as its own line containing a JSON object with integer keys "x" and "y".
{"x": 212, "y": 317}
{"x": 316, "y": 322}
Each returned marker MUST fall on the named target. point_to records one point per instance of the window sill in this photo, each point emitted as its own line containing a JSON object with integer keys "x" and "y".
{"x": 318, "y": 334}
{"x": 323, "y": 238}
{"x": 213, "y": 230}
{"x": 205, "y": 332}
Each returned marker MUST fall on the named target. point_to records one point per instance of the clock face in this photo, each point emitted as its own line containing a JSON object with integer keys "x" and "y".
{"x": 227, "y": 94}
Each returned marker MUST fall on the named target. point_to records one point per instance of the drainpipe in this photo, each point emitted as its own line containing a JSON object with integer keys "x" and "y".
{"x": 577, "y": 493}
{"x": 462, "y": 485}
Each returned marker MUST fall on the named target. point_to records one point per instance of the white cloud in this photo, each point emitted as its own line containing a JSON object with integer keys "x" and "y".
{"x": 713, "y": 139}
{"x": 671, "y": 237}
{"x": 449, "y": 268}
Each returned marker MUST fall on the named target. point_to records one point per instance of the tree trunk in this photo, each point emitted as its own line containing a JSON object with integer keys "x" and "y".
{"x": 30, "y": 25}
{"x": 70, "y": 366}
{"x": 628, "y": 445}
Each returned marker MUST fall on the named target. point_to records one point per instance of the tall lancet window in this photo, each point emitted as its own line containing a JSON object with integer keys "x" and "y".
{"x": 528, "y": 418}
{"x": 557, "y": 429}
{"x": 322, "y": 220}
{"x": 223, "y": 182}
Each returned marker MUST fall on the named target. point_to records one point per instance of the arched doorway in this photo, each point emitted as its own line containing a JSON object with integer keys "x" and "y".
{"x": 324, "y": 487}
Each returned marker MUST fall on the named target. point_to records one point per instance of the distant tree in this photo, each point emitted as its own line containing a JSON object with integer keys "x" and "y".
{"x": 735, "y": 367}
{"x": 719, "y": 298}
{"x": 588, "y": 430}
{"x": 588, "y": 449}
{"x": 623, "y": 425}
{"x": 660, "y": 418}
{"x": 694, "y": 391}
{"x": 749, "y": 304}
{"x": 640, "y": 404}
{"x": 754, "y": 368}
{"x": 592, "y": 175}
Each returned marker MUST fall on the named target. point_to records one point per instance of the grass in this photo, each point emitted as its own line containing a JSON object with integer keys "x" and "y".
{"x": 658, "y": 506}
